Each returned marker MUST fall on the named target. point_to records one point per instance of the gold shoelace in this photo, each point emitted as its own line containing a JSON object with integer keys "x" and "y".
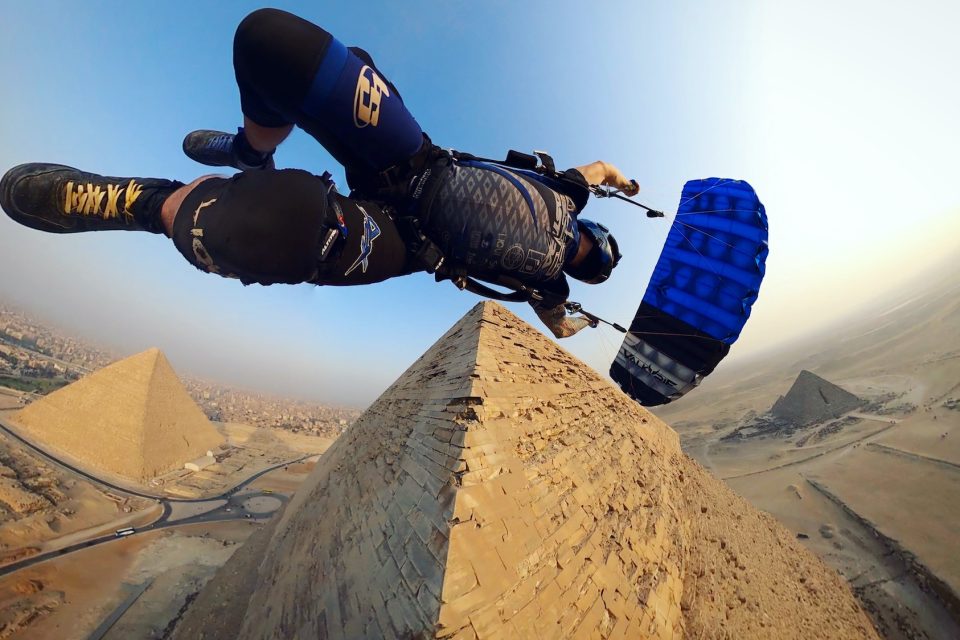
{"x": 88, "y": 199}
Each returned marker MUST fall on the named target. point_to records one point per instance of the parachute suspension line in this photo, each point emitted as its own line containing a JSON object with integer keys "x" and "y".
{"x": 576, "y": 307}
{"x": 713, "y": 186}
{"x": 609, "y": 349}
{"x": 693, "y": 213}
{"x": 600, "y": 192}
{"x": 694, "y": 247}
{"x": 712, "y": 237}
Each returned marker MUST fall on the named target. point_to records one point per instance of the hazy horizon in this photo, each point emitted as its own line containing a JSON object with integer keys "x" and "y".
{"x": 839, "y": 116}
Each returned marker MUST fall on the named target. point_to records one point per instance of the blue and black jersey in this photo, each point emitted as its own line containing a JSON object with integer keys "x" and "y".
{"x": 490, "y": 220}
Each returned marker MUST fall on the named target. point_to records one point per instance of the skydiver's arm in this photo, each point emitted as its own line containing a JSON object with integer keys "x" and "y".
{"x": 557, "y": 320}
{"x": 601, "y": 172}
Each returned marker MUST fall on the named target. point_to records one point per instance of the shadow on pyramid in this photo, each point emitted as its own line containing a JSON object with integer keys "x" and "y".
{"x": 500, "y": 488}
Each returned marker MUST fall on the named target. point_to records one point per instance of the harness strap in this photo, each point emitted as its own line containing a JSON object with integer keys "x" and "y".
{"x": 424, "y": 254}
{"x": 427, "y": 168}
{"x": 392, "y": 183}
{"x": 539, "y": 161}
{"x": 333, "y": 229}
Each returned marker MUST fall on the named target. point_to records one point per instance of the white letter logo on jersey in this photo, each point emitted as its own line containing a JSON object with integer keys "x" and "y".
{"x": 370, "y": 233}
{"x": 371, "y": 89}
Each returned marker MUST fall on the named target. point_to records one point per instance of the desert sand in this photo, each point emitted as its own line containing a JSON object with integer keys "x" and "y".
{"x": 41, "y": 504}
{"x": 878, "y": 490}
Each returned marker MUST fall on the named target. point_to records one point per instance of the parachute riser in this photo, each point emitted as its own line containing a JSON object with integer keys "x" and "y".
{"x": 600, "y": 192}
{"x": 575, "y": 307}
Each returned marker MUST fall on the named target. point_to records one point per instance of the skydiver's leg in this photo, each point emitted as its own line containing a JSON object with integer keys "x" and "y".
{"x": 60, "y": 199}
{"x": 264, "y": 139}
{"x": 262, "y": 226}
{"x": 292, "y": 72}
{"x": 272, "y": 226}
{"x": 172, "y": 204}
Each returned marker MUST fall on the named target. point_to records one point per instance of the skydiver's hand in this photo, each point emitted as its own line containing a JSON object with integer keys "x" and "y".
{"x": 616, "y": 179}
{"x": 559, "y": 323}
{"x": 604, "y": 173}
{"x": 571, "y": 325}
{"x": 631, "y": 188}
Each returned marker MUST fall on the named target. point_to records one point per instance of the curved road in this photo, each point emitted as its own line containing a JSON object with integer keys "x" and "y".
{"x": 133, "y": 492}
{"x": 229, "y": 511}
{"x": 223, "y": 512}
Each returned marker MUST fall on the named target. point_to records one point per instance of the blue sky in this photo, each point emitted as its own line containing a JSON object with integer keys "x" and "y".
{"x": 842, "y": 117}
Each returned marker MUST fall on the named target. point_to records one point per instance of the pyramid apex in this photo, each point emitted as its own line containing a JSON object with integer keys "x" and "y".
{"x": 132, "y": 418}
{"x": 152, "y": 352}
{"x": 812, "y": 399}
{"x": 502, "y": 488}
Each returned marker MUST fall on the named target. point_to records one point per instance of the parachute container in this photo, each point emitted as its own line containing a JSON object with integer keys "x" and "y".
{"x": 700, "y": 294}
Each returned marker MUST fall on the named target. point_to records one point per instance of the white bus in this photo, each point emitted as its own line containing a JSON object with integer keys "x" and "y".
{"x": 126, "y": 531}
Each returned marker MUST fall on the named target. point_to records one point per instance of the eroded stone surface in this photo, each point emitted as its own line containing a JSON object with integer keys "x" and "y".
{"x": 502, "y": 489}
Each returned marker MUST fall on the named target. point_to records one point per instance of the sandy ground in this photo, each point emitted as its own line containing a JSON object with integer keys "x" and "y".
{"x": 69, "y": 597}
{"x": 85, "y": 585}
{"x": 178, "y": 565}
{"x": 894, "y": 474}
{"x": 88, "y": 585}
{"x": 283, "y": 480}
{"x": 911, "y": 501}
{"x": 65, "y": 504}
{"x": 10, "y": 399}
{"x": 246, "y": 435}
{"x": 899, "y": 477}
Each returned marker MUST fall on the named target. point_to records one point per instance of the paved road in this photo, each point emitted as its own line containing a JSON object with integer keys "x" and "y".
{"x": 150, "y": 496}
{"x": 232, "y": 510}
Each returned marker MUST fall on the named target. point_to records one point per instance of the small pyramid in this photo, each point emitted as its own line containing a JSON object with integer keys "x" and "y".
{"x": 812, "y": 399}
{"x": 132, "y": 418}
{"x": 500, "y": 488}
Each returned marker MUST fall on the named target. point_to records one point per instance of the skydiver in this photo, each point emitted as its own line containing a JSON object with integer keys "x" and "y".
{"x": 413, "y": 206}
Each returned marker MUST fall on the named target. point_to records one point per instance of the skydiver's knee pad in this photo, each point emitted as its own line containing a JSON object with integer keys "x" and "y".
{"x": 258, "y": 226}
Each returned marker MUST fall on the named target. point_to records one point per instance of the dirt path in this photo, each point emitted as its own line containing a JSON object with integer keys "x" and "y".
{"x": 835, "y": 449}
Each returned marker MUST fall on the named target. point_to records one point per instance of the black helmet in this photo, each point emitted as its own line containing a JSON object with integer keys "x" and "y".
{"x": 602, "y": 258}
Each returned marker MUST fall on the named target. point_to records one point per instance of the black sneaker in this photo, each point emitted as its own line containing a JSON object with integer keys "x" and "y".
{"x": 60, "y": 199}
{"x": 220, "y": 149}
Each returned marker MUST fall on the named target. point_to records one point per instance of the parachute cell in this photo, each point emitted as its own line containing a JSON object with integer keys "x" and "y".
{"x": 700, "y": 294}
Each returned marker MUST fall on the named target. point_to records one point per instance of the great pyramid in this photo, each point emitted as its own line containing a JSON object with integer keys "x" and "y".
{"x": 132, "y": 418}
{"x": 500, "y": 488}
{"x": 812, "y": 399}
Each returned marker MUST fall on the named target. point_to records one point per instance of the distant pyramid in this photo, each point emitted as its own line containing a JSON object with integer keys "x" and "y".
{"x": 812, "y": 399}
{"x": 500, "y": 488}
{"x": 131, "y": 418}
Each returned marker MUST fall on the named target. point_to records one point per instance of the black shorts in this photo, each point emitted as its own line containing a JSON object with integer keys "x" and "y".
{"x": 268, "y": 227}
{"x": 290, "y": 71}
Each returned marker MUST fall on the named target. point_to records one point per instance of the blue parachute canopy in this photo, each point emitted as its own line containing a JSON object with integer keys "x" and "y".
{"x": 700, "y": 294}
